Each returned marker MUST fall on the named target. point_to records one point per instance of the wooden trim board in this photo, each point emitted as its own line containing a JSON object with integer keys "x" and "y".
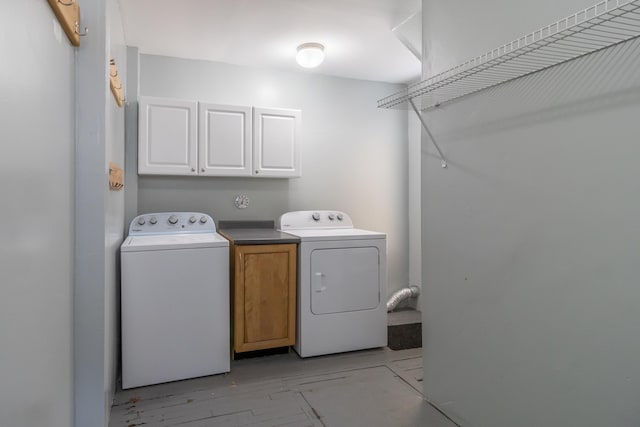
{"x": 115, "y": 83}
{"x": 69, "y": 16}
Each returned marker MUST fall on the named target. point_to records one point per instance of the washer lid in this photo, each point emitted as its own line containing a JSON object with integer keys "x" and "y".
{"x": 313, "y": 235}
{"x": 173, "y": 241}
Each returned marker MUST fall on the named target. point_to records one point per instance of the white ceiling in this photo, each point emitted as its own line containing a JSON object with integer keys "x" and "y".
{"x": 357, "y": 34}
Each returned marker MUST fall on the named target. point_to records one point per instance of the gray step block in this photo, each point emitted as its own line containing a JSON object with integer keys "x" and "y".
{"x": 404, "y": 329}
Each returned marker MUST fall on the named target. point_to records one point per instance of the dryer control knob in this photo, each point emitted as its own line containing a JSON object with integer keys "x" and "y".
{"x": 192, "y": 220}
{"x": 141, "y": 220}
{"x": 340, "y": 217}
{"x": 316, "y": 216}
{"x": 203, "y": 219}
{"x": 332, "y": 217}
{"x": 173, "y": 219}
{"x": 153, "y": 220}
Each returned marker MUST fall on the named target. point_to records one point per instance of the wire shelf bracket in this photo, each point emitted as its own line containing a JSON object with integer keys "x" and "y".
{"x": 603, "y": 25}
{"x": 426, "y": 128}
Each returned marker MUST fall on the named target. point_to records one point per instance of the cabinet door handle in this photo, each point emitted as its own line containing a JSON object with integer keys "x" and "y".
{"x": 240, "y": 261}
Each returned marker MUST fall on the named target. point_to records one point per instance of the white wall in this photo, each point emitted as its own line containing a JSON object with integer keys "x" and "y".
{"x": 37, "y": 213}
{"x": 354, "y": 156}
{"x": 531, "y": 237}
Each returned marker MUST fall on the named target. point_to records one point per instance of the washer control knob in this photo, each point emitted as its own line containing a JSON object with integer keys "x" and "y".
{"x": 340, "y": 217}
{"x": 203, "y": 219}
{"x": 332, "y": 217}
{"x": 153, "y": 220}
{"x": 173, "y": 219}
{"x": 141, "y": 221}
{"x": 192, "y": 220}
{"x": 316, "y": 216}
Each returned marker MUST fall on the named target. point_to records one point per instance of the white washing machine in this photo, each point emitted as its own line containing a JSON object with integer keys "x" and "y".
{"x": 342, "y": 280}
{"x": 175, "y": 299}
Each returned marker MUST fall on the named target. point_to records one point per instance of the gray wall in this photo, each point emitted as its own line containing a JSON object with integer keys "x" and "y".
{"x": 531, "y": 236}
{"x": 99, "y": 214}
{"x": 354, "y": 156}
{"x": 131, "y": 138}
{"x": 36, "y": 257}
{"x": 414, "y": 186}
{"x": 115, "y": 217}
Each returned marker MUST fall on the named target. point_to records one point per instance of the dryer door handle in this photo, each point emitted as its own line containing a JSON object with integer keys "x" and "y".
{"x": 318, "y": 282}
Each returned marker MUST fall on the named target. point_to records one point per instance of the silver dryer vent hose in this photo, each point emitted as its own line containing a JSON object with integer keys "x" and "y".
{"x": 401, "y": 295}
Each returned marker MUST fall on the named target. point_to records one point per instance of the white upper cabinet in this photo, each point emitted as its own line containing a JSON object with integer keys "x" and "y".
{"x": 224, "y": 140}
{"x": 167, "y": 143}
{"x": 276, "y": 142}
{"x": 179, "y": 137}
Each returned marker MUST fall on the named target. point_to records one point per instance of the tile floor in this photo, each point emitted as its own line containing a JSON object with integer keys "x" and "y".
{"x": 372, "y": 388}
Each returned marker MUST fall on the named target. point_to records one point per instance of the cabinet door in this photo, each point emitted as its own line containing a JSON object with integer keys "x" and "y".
{"x": 276, "y": 142}
{"x": 265, "y": 297}
{"x": 224, "y": 140}
{"x": 167, "y": 137}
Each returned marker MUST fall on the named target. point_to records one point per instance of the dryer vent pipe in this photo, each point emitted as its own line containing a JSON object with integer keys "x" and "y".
{"x": 401, "y": 295}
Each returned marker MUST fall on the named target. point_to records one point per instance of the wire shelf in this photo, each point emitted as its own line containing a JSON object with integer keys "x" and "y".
{"x": 600, "y": 26}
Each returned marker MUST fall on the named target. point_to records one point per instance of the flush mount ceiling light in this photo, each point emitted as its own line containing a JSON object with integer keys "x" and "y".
{"x": 310, "y": 55}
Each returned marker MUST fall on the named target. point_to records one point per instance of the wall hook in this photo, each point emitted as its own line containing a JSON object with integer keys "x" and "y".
{"x": 77, "y": 30}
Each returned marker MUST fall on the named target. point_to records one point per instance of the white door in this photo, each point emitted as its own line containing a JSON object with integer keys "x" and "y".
{"x": 276, "y": 142}
{"x": 345, "y": 279}
{"x": 167, "y": 143}
{"x": 224, "y": 142}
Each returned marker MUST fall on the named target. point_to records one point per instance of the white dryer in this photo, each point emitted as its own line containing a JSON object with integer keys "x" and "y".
{"x": 342, "y": 280}
{"x": 175, "y": 299}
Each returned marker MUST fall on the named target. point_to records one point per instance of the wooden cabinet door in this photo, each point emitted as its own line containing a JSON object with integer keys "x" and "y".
{"x": 276, "y": 142}
{"x": 265, "y": 297}
{"x": 167, "y": 136}
{"x": 224, "y": 141}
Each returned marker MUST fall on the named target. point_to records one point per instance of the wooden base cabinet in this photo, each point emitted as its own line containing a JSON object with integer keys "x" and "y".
{"x": 264, "y": 303}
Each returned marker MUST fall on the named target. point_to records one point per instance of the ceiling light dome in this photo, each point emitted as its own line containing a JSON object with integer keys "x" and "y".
{"x": 310, "y": 55}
